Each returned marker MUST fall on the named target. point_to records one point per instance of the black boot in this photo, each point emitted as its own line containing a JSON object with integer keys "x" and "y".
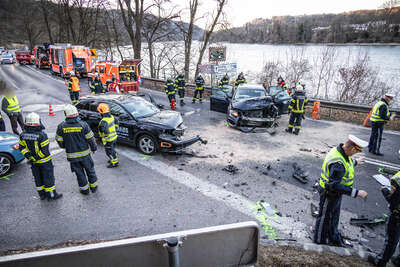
{"x": 296, "y": 131}
{"x": 193, "y": 101}
{"x": 396, "y": 261}
{"x": 85, "y": 192}
{"x": 42, "y": 194}
{"x": 289, "y": 130}
{"x": 53, "y": 195}
{"x": 373, "y": 260}
{"x": 111, "y": 165}
{"x": 93, "y": 189}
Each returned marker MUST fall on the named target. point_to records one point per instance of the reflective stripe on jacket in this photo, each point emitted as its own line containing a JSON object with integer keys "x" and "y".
{"x": 335, "y": 156}
{"x": 376, "y": 116}
{"x": 73, "y": 84}
{"x": 34, "y": 145}
{"x": 108, "y": 129}
{"x": 298, "y": 102}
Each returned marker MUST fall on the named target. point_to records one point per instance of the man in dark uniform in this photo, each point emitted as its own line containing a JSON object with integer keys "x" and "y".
{"x": 224, "y": 80}
{"x": 240, "y": 80}
{"x": 34, "y": 145}
{"x": 392, "y": 195}
{"x": 10, "y": 106}
{"x": 380, "y": 115}
{"x": 108, "y": 133}
{"x": 78, "y": 140}
{"x": 180, "y": 86}
{"x": 170, "y": 91}
{"x": 336, "y": 180}
{"x": 97, "y": 87}
{"x": 296, "y": 108}
{"x": 198, "y": 93}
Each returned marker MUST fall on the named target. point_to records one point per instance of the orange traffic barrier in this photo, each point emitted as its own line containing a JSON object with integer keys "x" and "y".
{"x": 173, "y": 104}
{"x": 367, "y": 122}
{"x": 315, "y": 111}
{"x": 51, "y": 112}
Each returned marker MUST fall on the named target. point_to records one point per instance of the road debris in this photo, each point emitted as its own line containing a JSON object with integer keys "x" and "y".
{"x": 232, "y": 169}
{"x": 368, "y": 222}
{"x": 305, "y": 149}
{"x": 299, "y": 174}
{"x": 314, "y": 210}
{"x": 387, "y": 171}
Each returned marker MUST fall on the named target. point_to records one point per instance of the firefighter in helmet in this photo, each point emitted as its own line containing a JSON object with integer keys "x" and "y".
{"x": 170, "y": 91}
{"x": 75, "y": 136}
{"x": 180, "y": 84}
{"x": 74, "y": 88}
{"x": 240, "y": 80}
{"x": 198, "y": 93}
{"x": 224, "y": 80}
{"x": 296, "y": 108}
{"x": 34, "y": 145}
{"x": 108, "y": 133}
{"x": 97, "y": 87}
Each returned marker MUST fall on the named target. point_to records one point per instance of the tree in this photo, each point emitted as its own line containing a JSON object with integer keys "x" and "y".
{"x": 209, "y": 31}
{"x": 44, "y": 5}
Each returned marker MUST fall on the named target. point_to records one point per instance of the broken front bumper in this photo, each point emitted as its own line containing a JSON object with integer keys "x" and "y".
{"x": 251, "y": 122}
{"x": 168, "y": 143}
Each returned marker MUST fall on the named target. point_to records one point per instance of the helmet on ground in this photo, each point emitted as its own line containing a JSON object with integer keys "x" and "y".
{"x": 299, "y": 88}
{"x": 70, "y": 111}
{"x": 32, "y": 119}
{"x": 103, "y": 108}
{"x": 72, "y": 73}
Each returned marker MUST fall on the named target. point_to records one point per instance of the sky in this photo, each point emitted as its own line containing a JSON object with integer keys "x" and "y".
{"x": 242, "y": 11}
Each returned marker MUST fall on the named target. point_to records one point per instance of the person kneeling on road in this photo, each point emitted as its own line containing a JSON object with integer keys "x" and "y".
{"x": 76, "y": 137}
{"x": 392, "y": 195}
{"x": 34, "y": 145}
{"x": 108, "y": 133}
{"x": 296, "y": 108}
{"x": 336, "y": 180}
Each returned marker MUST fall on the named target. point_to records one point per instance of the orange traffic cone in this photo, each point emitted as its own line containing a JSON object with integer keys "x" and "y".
{"x": 366, "y": 122}
{"x": 315, "y": 110}
{"x": 51, "y": 112}
{"x": 173, "y": 104}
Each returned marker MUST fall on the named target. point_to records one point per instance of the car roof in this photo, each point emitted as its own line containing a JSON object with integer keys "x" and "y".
{"x": 251, "y": 86}
{"x": 112, "y": 97}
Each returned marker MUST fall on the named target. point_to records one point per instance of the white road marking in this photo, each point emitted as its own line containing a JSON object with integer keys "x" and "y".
{"x": 382, "y": 163}
{"x": 285, "y": 225}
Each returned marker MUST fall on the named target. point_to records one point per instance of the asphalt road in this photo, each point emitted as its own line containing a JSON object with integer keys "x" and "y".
{"x": 163, "y": 193}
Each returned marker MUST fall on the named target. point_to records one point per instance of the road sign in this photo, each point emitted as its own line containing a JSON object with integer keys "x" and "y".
{"x": 206, "y": 69}
{"x": 217, "y": 53}
{"x": 221, "y": 69}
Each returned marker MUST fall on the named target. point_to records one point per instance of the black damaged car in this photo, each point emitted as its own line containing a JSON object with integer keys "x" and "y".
{"x": 248, "y": 106}
{"x": 141, "y": 122}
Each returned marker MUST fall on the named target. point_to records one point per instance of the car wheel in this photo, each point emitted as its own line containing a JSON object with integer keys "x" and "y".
{"x": 6, "y": 164}
{"x": 146, "y": 144}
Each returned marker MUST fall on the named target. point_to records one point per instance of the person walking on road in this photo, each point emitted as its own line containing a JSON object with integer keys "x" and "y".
{"x": 337, "y": 177}
{"x": 170, "y": 91}
{"x": 78, "y": 140}
{"x": 296, "y": 108}
{"x": 97, "y": 87}
{"x": 10, "y": 106}
{"x": 108, "y": 133}
{"x": 392, "y": 196}
{"x": 74, "y": 88}
{"x": 34, "y": 145}
{"x": 240, "y": 80}
{"x": 198, "y": 93}
{"x": 180, "y": 84}
{"x": 380, "y": 115}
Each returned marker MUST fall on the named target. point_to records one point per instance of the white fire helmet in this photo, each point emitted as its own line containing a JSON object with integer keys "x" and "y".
{"x": 72, "y": 73}
{"x": 299, "y": 88}
{"x": 70, "y": 111}
{"x": 32, "y": 119}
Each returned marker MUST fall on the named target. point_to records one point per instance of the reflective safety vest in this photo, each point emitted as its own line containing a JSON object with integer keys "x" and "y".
{"x": 335, "y": 156}
{"x": 74, "y": 84}
{"x": 396, "y": 179}
{"x": 376, "y": 116}
{"x": 13, "y": 104}
{"x": 111, "y": 133}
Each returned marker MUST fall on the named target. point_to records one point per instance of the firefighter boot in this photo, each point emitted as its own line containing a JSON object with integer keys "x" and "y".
{"x": 53, "y": 195}
{"x": 93, "y": 189}
{"x": 289, "y": 130}
{"x": 85, "y": 192}
{"x": 296, "y": 131}
{"x": 182, "y": 103}
{"x": 42, "y": 194}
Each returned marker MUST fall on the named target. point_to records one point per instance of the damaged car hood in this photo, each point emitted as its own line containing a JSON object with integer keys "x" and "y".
{"x": 167, "y": 118}
{"x": 252, "y": 103}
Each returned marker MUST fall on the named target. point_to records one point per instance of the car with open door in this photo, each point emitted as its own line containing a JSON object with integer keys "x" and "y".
{"x": 221, "y": 98}
{"x": 141, "y": 123}
{"x": 281, "y": 98}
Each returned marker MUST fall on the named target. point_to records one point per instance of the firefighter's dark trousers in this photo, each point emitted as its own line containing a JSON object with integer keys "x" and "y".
{"x": 295, "y": 121}
{"x": 326, "y": 226}
{"x": 170, "y": 97}
{"x": 15, "y": 119}
{"x": 2, "y": 125}
{"x": 181, "y": 93}
{"x": 74, "y": 97}
{"x": 43, "y": 174}
{"x": 376, "y": 137}
{"x": 110, "y": 151}
{"x": 391, "y": 240}
{"x": 198, "y": 93}
{"x": 83, "y": 168}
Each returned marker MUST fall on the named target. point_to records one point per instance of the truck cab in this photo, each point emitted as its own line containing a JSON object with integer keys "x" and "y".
{"x": 41, "y": 54}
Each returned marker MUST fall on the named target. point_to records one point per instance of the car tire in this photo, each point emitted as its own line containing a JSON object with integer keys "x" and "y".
{"x": 6, "y": 164}
{"x": 146, "y": 144}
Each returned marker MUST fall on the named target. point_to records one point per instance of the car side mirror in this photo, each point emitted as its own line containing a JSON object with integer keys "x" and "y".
{"x": 124, "y": 117}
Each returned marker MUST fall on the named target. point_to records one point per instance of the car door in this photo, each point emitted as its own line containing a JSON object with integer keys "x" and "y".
{"x": 126, "y": 127}
{"x": 219, "y": 100}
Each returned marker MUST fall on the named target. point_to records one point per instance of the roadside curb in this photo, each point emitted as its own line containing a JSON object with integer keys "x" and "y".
{"x": 318, "y": 248}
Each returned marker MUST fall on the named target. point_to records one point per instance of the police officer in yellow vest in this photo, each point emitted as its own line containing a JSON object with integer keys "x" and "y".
{"x": 108, "y": 133}
{"x": 336, "y": 180}
{"x": 74, "y": 88}
{"x": 10, "y": 105}
{"x": 76, "y": 137}
{"x": 34, "y": 145}
{"x": 380, "y": 115}
{"x": 392, "y": 196}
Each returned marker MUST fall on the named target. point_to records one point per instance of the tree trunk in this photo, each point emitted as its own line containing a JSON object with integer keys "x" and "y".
{"x": 43, "y": 5}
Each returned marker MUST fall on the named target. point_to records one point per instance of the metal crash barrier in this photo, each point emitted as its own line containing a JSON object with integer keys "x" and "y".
{"x": 226, "y": 245}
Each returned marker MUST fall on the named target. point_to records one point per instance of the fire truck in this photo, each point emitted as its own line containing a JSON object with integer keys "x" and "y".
{"x": 65, "y": 58}
{"x": 127, "y": 73}
{"x": 41, "y": 54}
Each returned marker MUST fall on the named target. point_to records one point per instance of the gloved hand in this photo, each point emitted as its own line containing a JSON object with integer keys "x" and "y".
{"x": 31, "y": 160}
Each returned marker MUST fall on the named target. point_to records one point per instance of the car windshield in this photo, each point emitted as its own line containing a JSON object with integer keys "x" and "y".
{"x": 140, "y": 108}
{"x": 274, "y": 90}
{"x": 243, "y": 93}
{"x": 7, "y": 56}
{"x": 79, "y": 61}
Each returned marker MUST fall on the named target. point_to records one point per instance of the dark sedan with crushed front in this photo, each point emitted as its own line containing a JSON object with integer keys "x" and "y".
{"x": 141, "y": 123}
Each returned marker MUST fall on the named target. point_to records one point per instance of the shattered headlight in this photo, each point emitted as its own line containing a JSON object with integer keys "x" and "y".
{"x": 180, "y": 130}
{"x": 233, "y": 113}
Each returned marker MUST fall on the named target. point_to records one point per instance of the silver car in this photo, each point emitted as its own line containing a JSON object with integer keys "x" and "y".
{"x": 7, "y": 59}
